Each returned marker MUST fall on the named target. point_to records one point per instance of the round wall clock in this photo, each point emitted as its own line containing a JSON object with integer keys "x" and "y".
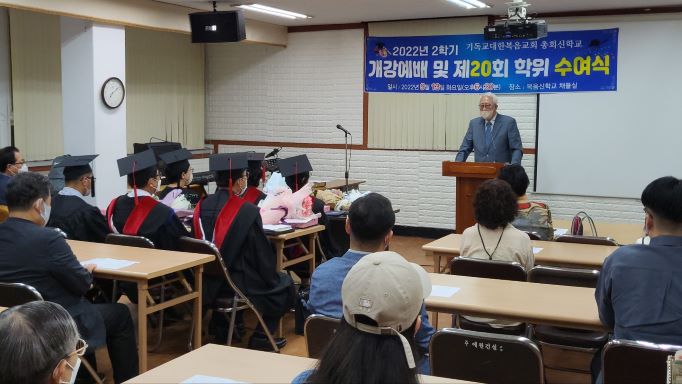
{"x": 113, "y": 92}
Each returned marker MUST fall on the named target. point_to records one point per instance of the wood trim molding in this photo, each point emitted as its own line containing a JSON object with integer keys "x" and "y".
{"x": 325, "y": 27}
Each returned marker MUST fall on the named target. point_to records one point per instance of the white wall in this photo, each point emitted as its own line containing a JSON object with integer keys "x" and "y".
{"x": 5, "y": 80}
{"x": 411, "y": 179}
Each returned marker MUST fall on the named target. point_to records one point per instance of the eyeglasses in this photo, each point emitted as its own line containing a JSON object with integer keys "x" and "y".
{"x": 81, "y": 347}
{"x": 485, "y": 106}
{"x": 22, "y": 162}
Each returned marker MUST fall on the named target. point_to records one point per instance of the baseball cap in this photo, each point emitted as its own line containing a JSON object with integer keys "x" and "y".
{"x": 387, "y": 289}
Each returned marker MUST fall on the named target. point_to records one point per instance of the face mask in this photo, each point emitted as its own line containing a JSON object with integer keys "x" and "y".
{"x": 24, "y": 168}
{"x": 190, "y": 178}
{"x": 487, "y": 115}
{"x": 74, "y": 372}
{"x": 45, "y": 214}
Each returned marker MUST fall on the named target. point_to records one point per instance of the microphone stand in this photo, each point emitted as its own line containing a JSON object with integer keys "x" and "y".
{"x": 346, "y": 164}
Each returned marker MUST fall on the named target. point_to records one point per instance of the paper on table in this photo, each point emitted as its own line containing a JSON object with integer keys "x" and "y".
{"x": 536, "y": 250}
{"x": 203, "y": 379}
{"x": 108, "y": 263}
{"x": 443, "y": 291}
{"x": 560, "y": 232}
{"x": 276, "y": 227}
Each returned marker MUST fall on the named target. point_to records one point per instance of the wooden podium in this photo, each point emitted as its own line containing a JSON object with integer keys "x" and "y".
{"x": 469, "y": 177}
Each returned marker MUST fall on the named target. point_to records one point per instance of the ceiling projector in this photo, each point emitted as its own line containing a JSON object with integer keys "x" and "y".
{"x": 517, "y": 25}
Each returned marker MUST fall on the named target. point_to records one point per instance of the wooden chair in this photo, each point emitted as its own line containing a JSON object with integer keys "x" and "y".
{"x": 491, "y": 269}
{"x": 625, "y": 362}
{"x": 12, "y": 294}
{"x": 319, "y": 331}
{"x": 4, "y": 213}
{"x": 485, "y": 357}
{"x": 217, "y": 268}
{"x": 533, "y": 235}
{"x": 129, "y": 241}
{"x": 566, "y": 349}
{"x": 593, "y": 240}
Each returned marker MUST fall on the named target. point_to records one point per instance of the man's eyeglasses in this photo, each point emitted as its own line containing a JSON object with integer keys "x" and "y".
{"x": 22, "y": 162}
{"x": 485, "y": 106}
{"x": 81, "y": 347}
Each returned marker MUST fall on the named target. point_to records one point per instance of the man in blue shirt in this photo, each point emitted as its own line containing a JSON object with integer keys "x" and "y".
{"x": 370, "y": 222}
{"x": 639, "y": 292}
{"x": 11, "y": 163}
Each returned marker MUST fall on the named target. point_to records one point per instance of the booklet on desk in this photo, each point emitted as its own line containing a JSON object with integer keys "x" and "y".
{"x": 277, "y": 229}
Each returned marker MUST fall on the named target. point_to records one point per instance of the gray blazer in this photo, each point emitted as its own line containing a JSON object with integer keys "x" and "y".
{"x": 505, "y": 148}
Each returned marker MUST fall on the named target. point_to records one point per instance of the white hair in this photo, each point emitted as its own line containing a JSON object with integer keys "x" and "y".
{"x": 491, "y": 96}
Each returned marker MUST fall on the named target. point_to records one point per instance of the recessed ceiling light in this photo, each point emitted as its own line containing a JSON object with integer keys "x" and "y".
{"x": 470, "y": 4}
{"x": 274, "y": 11}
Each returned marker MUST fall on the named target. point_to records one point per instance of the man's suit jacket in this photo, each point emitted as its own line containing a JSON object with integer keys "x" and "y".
{"x": 40, "y": 257}
{"x": 505, "y": 148}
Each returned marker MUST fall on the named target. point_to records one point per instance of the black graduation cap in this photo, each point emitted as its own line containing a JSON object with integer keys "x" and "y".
{"x": 136, "y": 162}
{"x": 175, "y": 156}
{"x": 75, "y": 161}
{"x": 227, "y": 162}
{"x": 254, "y": 157}
{"x": 294, "y": 165}
{"x": 77, "y": 166}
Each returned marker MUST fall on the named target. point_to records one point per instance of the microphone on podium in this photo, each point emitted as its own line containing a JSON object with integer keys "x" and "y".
{"x": 338, "y": 126}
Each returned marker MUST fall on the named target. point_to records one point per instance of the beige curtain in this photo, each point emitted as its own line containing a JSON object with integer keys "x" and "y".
{"x": 421, "y": 121}
{"x": 36, "y": 84}
{"x": 165, "y": 88}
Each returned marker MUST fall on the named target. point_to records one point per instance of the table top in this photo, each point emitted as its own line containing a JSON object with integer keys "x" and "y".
{"x": 556, "y": 305}
{"x": 552, "y": 253}
{"x": 151, "y": 263}
{"x": 297, "y": 233}
{"x": 238, "y": 364}
{"x": 623, "y": 233}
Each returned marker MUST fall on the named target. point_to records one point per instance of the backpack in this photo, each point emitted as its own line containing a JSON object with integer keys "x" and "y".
{"x": 577, "y": 227}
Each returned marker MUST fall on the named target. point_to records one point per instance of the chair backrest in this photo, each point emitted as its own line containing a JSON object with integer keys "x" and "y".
{"x": 319, "y": 330}
{"x": 62, "y": 233}
{"x": 576, "y": 277}
{"x": 492, "y": 269}
{"x": 625, "y": 361}
{"x": 129, "y": 241}
{"x": 4, "y": 213}
{"x": 593, "y": 240}
{"x": 215, "y": 268}
{"x": 533, "y": 235}
{"x": 12, "y": 294}
{"x": 485, "y": 357}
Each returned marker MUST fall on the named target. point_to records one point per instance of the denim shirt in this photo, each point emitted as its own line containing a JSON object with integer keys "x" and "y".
{"x": 325, "y": 294}
{"x": 639, "y": 292}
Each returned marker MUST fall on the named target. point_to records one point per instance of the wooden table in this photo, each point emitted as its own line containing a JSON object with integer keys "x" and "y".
{"x": 338, "y": 184}
{"x": 238, "y": 364}
{"x": 152, "y": 263}
{"x": 623, "y": 233}
{"x": 556, "y": 305}
{"x": 279, "y": 241}
{"x": 552, "y": 253}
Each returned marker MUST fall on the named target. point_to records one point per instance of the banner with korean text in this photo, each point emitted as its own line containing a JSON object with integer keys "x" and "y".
{"x": 574, "y": 61}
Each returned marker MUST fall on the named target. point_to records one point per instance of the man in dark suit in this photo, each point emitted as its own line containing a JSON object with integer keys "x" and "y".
{"x": 40, "y": 257}
{"x": 493, "y": 137}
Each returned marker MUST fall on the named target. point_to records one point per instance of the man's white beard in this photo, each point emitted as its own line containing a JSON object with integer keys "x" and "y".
{"x": 487, "y": 115}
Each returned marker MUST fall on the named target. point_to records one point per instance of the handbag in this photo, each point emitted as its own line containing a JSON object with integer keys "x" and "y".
{"x": 577, "y": 227}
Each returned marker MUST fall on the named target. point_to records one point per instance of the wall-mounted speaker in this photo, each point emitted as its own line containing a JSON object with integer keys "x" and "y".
{"x": 217, "y": 26}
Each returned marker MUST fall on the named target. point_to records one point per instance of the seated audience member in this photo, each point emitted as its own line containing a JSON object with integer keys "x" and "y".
{"x": 493, "y": 237}
{"x": 638, "y": 292}
{"x": 11, "y": 164}
{"x": 70, "y": 212}
{"x": 40, "y": 257}
{"x": 256, "y": 174}
{"x": 138, "y": 213}
{"x": 369, "y": 224}
{"x": 296, "y": 172}
{"x": 383, "y": 297}
{"x": 533, "y": 216}
{"x": 235, "y": 227}
{"x": 178, "y": 174}
{"x": 39, "y": 343}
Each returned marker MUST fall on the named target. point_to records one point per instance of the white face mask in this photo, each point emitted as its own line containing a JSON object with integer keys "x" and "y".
{"x": 190, "y": 178}
{"x": 487, "y": 115}
{"x": 74, "y": 372}
{"x": 45, "y": 214}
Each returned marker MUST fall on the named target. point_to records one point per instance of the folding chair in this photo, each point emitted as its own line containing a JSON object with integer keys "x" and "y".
{"x": 12, "y": 294}
{"x": 485, "y": 357}
{"x": 491, "y": 269}
{"x": 533, "y": 235}
{"x": 593, "y": 240}
{"x": 566, "y": 349}
{"x": 319, "y": 332}
{"x": 625, "y": 362}
{"x": 217, "y": 268}
{"x": 4, "y": 213}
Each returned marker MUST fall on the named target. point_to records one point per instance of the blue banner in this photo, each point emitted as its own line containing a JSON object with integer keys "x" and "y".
{"x": 575, "y": 61}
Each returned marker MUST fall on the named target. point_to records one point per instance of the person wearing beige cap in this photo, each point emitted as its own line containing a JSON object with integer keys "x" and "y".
{"x": 382, "y": 299}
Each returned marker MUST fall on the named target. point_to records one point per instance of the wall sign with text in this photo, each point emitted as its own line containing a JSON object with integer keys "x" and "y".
{"x": 575, "y": 61}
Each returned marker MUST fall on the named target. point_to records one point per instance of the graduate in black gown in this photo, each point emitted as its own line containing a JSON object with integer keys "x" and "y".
{"x": 70, "y": 212}
{"x": 256, "y": 174}
{"x": 178, "y": 174}
{"x": 235, "y": 227}
{"x": 138, "y": 213}
{"x": 296, "y": 171}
